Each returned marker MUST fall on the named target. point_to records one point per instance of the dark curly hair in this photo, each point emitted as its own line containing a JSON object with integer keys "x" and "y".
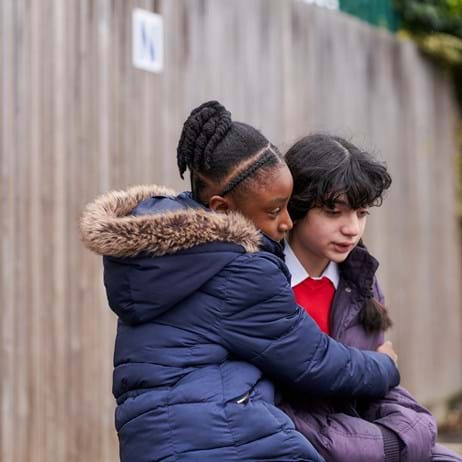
{"x": 325, "y": 167}
{"x": 217, "y": 150}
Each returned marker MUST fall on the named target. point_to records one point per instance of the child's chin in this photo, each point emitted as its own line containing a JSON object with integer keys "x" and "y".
{"x": 339, "y": 257}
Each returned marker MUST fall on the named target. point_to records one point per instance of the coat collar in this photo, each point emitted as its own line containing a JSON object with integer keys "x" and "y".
{"x": 359, "y": 270}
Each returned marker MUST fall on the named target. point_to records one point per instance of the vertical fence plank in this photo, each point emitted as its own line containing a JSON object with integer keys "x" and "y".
{"x": 8, "y": 186}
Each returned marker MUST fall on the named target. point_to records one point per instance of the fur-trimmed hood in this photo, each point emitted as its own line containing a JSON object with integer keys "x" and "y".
{"x": 109, "y": 227}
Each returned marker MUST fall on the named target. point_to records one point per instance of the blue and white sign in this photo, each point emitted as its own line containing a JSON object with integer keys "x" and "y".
{"x": 332, "y": 4}
{"x": 148, "y": 40}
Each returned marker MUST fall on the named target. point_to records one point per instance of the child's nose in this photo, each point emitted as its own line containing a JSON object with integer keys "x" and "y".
{"x": 351, "y": 226}
{"x": 286, "y": 223}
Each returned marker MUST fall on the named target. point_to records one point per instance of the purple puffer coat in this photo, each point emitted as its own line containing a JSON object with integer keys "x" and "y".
{"x": 393, "y": 428}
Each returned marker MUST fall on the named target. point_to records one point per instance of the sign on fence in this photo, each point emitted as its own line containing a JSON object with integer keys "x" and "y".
{"x": 148, "y": 40}
{"x": 332, "y": 4}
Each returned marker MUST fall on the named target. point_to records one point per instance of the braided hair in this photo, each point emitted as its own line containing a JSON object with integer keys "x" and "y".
{"x": 325, "y": 167}
{"x": 218, "y": 151}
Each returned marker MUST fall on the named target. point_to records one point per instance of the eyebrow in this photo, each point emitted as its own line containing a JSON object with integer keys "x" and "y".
{"x": 336, "y": 203}
{"x": 278, "y": 200}
{"x": 346, "y": 204}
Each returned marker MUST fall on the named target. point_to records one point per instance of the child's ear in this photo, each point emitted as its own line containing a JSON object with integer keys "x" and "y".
{"x": 220, "y": 204}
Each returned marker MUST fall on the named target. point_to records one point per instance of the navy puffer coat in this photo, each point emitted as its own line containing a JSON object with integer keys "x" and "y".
{"x": 206, "y": 319}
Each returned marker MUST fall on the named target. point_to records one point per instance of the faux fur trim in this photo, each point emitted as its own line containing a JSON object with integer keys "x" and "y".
{"x": 107, "y": 227}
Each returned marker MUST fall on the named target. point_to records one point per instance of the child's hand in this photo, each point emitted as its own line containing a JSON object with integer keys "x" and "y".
{"x": 387, "y": 348}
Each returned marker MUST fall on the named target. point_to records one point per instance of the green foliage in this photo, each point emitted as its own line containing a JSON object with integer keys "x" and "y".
{"x": 443, "y": 47}
{"x": 436, "y": 26}
{"x": 430, "y": 16}
{"x": 455, "y": 7}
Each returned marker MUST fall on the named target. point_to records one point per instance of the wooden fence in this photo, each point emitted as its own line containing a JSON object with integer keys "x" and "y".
{"x": 77, "y": 119}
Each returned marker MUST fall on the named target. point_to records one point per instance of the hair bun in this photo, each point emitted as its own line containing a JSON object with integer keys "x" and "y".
{"x": 203, "y": 130}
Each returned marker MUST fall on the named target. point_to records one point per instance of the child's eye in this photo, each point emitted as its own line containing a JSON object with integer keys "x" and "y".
{"x": 332, "y": 212}
{"x": 275, "y": 212}
{"x": 363, "y": 213}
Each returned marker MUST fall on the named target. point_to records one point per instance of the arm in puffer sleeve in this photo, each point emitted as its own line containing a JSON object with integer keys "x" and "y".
{"x": 262, "y": 324}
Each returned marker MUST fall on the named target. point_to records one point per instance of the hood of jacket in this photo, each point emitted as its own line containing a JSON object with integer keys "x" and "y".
{"x": 167, "y": 224}
{"x": 160, "y": 248}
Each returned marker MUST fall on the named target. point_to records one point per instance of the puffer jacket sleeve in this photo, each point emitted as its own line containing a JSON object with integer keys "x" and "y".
{"x": 261, "y": 323}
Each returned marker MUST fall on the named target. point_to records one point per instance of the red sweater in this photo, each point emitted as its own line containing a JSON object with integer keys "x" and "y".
{"x": 315, "y": 296}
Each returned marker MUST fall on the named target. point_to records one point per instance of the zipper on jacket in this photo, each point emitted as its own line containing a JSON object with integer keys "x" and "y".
{"x": 243, "y": 399}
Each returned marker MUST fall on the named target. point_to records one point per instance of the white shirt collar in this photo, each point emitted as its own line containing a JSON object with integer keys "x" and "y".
{"x": 299, "y": 273}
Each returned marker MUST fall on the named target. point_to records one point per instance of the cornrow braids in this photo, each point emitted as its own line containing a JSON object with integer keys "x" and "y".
{"x": 212, "y": 147}
{"x": 266, "y": 157}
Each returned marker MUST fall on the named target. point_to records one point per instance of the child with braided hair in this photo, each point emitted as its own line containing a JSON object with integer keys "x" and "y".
{"x": 206, "y": 312}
